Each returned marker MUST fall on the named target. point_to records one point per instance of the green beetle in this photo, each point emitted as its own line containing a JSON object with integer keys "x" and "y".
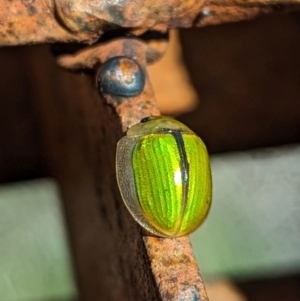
{"x": 164, "y": 176}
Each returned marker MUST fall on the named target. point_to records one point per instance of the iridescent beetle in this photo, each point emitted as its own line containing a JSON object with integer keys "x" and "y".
{"x": 164, "y": 176}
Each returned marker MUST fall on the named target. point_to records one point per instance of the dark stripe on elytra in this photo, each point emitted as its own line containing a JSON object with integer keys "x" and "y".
{"x": 184, "y": 165}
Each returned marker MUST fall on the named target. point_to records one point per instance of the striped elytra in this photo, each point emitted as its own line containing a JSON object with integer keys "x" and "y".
{"x": 164, "y": 177}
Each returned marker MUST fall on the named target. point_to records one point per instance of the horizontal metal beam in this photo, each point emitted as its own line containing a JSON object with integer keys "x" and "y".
{"x": 48, "y": 21}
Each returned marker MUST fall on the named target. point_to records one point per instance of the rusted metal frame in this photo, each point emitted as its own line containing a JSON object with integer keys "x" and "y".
{"x": 48, "y": 21}
{"x": 114, "y": 260}
{"x": 219, "y": 12}
{"x": 172, "y": 261}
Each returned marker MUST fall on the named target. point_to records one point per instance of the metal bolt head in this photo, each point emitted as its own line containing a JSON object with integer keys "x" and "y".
{"x": 121, "y": 76}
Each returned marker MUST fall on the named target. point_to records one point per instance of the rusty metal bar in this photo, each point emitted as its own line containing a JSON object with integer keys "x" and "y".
{"x": 114, "y": 260}
{"x": 172, "y": 261}
{"x": 48, "y": 21}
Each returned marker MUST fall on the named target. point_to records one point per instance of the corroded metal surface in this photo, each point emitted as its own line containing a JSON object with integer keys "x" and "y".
{"x": 29, "y": 21}
{"x": 172, "y": 262}
{"x": 91, "y": 56}
{"x": 133, "y": 108}
{"x": 175, "y": 269}
{"x": 79, "y": 16}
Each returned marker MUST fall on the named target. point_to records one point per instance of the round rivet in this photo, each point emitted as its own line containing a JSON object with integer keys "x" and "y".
{"x": 121, "y": 76}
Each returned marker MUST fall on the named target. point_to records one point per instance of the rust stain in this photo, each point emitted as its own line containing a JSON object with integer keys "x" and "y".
{"x": 128, "y": 68}
{"x": 91, "y": 56}
{"x": 175, "y": 269}
{"x": 49, "y": 21}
